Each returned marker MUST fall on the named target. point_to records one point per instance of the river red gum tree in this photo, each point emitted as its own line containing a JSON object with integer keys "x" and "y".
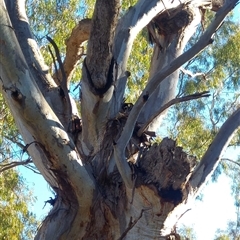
{"x": 109, "y": 183}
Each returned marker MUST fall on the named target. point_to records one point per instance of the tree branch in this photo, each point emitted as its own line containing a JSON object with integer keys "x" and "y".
{"x": 74, "y": 49}
{"x": 205, "y": 40}
{"x": 169, "y": 104}
{"x": 31, "y": 109}
{"x": 230, "y": 160}
{"x": 34, "y": 58}
{"x": 99, "y": 52}
{"x": 29, "y": 47}
{"x": 136, "y": 18}
{"x": 212, "y": 156}
{"x": 4, "y": 167}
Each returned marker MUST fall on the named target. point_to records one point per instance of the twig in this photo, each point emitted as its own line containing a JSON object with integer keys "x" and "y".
{"x": 32, "y": 169}
{"x": 54, "y": 62}
{"x": 58, "y": 58}
{"x": 230, "y": 160}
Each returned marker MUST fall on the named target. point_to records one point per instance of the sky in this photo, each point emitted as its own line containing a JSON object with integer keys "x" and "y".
{"x": 213, "y": 212}
{"x": 216, "y": 208}
{"x": 206, "y": 216}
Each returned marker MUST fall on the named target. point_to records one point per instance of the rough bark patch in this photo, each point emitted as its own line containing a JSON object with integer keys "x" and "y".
{"x": 166, "y": 167}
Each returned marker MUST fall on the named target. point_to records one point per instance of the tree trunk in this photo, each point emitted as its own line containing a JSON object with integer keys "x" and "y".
{"x": 110, "y": 182}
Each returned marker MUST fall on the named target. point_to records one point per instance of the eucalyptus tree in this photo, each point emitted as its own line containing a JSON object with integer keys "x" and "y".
{"x": 110, "y": 181}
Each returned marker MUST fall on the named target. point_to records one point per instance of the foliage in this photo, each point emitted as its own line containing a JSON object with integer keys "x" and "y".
{"x": 187, "y": 233}
{"x": 217, "y": 70}
{"x": 17, "y": 222}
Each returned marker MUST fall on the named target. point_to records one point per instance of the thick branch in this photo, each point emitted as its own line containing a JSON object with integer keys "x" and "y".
{"x": 169, "y": 104}
{"x": 133, "y": 22}
{"x": 136, "y": 18}
{"x": 30, "y": 49}
{"x": 205, "y": 40}
{"x": 99, "y": 53}
{"x": 98, "y": 75}
{"x": 31, "y": 109}
{"x": 34, "y": 59}
{"x": 212, "y": 156}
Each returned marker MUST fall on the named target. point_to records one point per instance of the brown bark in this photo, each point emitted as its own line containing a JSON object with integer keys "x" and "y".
{"x": 74, "y": 49}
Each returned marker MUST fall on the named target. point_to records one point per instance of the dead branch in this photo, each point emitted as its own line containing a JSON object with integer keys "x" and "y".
{"x": 7, "y": 166}
{"x": 193, "y": 75}
{"x": 131, "y": 225}
{"x": 63, "y": 81}
{"x": 169, "y": 104}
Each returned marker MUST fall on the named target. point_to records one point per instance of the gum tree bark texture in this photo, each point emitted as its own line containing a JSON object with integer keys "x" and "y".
{"x": 109, "y": 182}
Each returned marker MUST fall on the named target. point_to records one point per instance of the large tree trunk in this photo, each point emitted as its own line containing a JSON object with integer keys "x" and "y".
{"x": 109, "y": 183}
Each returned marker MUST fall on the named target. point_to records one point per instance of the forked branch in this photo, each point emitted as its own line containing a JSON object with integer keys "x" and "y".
{"x": 204, "y": 41}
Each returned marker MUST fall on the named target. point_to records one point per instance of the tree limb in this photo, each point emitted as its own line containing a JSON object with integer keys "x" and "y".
{"x": 99, "y": 52}
{"x": 74, "y": 49}
{"x": 34, "y": 58}
{"x": 4, "y": 167}
{"x": 136, "y": 18}
{"x": 30, "y": 49}
{"x": 230, "y": 160}
{"x": 212, "y": 156}
{"x": 205, "y": 40}
{"x": 31, "y": 109}
{"x": 169, "y": 104}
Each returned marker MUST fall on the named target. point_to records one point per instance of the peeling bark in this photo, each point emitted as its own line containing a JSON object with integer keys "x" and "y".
{"x": 74, "y": 49}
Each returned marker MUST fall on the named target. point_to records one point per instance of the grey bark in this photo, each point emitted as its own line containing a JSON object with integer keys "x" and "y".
{"x": 103, "y": 192}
